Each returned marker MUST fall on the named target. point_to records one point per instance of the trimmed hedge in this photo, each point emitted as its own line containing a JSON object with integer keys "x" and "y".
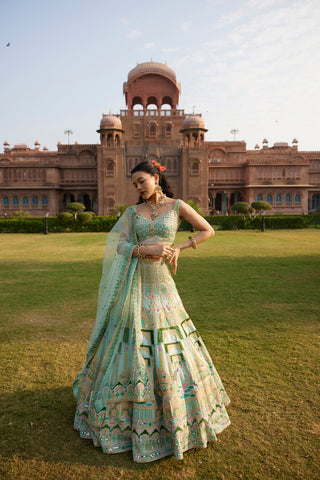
{"x": 55, "y": 224}
{"x": 272, "y": 222}
{"x": 105, "y": 224}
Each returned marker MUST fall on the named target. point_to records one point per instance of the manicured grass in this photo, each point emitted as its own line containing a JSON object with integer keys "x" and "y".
{"x": 255, "y": 300}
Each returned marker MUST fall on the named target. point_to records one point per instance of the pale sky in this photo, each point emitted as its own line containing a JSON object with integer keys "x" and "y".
{"x": 253, "y": 65}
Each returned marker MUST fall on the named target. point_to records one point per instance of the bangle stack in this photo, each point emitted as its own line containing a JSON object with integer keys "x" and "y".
{"x": 137, "y": 250}
{"x": 193, "y": 242}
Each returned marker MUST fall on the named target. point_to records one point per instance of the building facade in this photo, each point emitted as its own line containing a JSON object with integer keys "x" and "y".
{"x": 215, "y": 174}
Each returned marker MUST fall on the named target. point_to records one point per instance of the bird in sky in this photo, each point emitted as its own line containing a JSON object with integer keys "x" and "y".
{"x": 8, "y": 44}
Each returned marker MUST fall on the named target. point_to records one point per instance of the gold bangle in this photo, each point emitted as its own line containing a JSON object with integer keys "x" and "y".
{"x": 139, "y": 255}
{"x": 193, "y": 242}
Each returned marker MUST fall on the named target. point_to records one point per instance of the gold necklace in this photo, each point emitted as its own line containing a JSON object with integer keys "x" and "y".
{"x": 154, "y": 207}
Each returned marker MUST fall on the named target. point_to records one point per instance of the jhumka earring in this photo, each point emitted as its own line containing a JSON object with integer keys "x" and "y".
{"x": 158, "y": 189}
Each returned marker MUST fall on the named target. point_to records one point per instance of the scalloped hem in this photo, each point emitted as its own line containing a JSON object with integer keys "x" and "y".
{"x": 157, "y": 454}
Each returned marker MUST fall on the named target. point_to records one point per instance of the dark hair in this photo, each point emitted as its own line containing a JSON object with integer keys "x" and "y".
{"x": 148, "y": 167}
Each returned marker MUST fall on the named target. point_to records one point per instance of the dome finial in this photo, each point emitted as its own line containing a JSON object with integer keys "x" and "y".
{"x": 110, "y": 122}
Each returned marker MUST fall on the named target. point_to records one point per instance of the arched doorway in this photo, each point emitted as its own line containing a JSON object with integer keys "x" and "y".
{"x": 95, "y": 204}
{"x": 221, "y": 202}
{"x": 67, "y": 198}
{"x": 85, "y": 199}
{"x": 315, "y": 202}
{"x": 235, "y": 197}
{"x": 210, "y": 200}
{"x": 218, "y": 202}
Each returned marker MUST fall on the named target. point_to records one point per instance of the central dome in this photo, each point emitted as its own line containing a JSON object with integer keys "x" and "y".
{"x": 151, "y": 68}
{"x": 151, "y": 83}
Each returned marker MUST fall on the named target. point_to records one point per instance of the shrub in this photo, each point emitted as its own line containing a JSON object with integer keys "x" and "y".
{"x": 65, "y": 223}
{"x": 283, "y": 222}
{"x": 65, "y": 219}
{"x": 101, "y": 224}
{"x": 242, "y": 207}
{"x": 120, "y": 208}
{"x": 20, "y": 214}
{"x": 226, "y": 222}
{"x": 22, "y": 225}
{"x": 85, "y": 217}
{"x": 261, "y": 205}
{"x": 272, "y": 222}
{"x": 75, "y": 207}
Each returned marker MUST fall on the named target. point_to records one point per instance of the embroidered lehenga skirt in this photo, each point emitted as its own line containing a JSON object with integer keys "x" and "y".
{"x": 183, "y": 403}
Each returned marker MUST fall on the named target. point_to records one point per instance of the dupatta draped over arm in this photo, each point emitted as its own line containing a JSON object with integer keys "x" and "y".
{"x": 117, "y": 318}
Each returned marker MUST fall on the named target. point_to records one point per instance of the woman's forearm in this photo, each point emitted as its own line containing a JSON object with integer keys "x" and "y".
{"x": 142, "y": 250}
{"x": 201, "y": 236}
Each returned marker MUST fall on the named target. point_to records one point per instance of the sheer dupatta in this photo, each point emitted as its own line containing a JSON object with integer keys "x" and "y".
{"x": 114, "y": 346}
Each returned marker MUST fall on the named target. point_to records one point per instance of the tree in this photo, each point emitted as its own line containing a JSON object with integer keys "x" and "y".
{"x": 75, "y": 207}
{"x": 242, "y": 207}
{"x": 260, "y": 205}
{"x": 120, "y": 208}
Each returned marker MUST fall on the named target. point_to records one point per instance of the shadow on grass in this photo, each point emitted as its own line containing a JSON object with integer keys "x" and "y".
{"x": 38, "y": 425}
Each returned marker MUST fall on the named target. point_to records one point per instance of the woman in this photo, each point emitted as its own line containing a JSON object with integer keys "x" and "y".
{"x": 148, "y": 383}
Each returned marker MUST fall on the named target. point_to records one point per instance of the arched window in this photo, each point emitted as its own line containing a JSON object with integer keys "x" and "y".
{"x": 194, "y": 139}
{"x": 136, "y": 129}
{"x": 315, "y": 201}
{"x": 152, "y": 130}
{"x": 152, "y": 103}
{"x": 259, "y": 198}
{"x": 35, "y": 200}
{"x": 288, "y": 198}
{"x": 5, "y": 201}
{"x": 110, "y": 140}
{"x": 137, "y": 102}
{"x": 110, "y": 203}
{"x": 269, "y": 198}
{"x": 297, "y": 198}
{"x": 168, "y": 130}
{"x": 110, "y": 169}
{"x": 15, "y": 201}
{"x": 167, "y": 102}
{"x": 25, "y": 201}
{"x": 175, "y": 167}
{"x": 44, "y": 200}
{"x": 195, "y": 168}
{"x": 279, "y": 198}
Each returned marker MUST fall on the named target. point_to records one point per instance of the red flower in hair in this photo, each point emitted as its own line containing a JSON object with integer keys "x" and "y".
{"x": 161, "y": 168}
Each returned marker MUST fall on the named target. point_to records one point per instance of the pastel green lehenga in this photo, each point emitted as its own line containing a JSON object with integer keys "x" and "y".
{"x": 148, "y": 383}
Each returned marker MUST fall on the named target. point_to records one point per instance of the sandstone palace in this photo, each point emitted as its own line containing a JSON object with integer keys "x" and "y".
{"x": 215, "y": 174}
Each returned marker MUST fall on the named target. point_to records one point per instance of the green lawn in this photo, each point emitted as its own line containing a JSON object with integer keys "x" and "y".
{"x": 255, "y": 300}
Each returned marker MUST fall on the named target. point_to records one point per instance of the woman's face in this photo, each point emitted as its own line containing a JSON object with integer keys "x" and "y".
{"x": 144, "y": 183}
